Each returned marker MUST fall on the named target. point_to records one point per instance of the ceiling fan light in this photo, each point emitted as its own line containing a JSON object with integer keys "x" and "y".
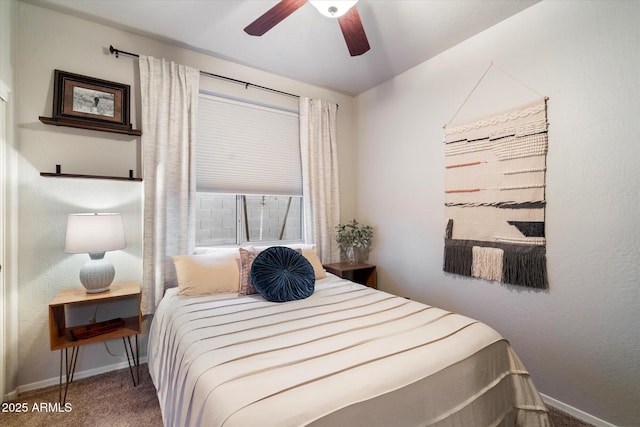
{"x": 333, "y": 8}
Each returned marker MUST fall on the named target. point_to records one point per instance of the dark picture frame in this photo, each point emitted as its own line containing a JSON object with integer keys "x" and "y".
{"x": 90, "y": 101}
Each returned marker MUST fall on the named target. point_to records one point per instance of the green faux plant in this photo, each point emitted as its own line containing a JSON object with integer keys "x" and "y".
{"x": 354, "y": 235}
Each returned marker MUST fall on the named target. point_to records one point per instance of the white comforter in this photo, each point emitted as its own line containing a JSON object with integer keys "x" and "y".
{"x": 346, "y": 356}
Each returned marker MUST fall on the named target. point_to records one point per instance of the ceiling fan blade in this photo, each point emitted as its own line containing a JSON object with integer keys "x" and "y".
{"x": 273, "y": 16}
{"x": 353, "y": 32}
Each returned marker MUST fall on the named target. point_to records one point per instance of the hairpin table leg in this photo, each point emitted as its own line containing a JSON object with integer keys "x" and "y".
{"x": 134, "y": 357}
{"x": 70, "y": 369}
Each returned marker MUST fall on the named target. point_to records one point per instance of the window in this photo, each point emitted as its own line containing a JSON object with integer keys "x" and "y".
{"x": 248, "y": 173}
{"x": 226, "y": 219}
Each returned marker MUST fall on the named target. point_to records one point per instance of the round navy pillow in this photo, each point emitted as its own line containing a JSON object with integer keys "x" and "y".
{"x": 281, "y": 274}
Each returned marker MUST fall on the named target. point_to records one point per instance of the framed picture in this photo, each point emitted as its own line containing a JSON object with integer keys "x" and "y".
{"x": 86, "y": 99}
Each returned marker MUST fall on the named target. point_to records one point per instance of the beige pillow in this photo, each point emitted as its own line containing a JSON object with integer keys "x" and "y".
{"x": 207, "y": 273}
{"x": 312, "y": 257}
{"x": 246, "y": 259}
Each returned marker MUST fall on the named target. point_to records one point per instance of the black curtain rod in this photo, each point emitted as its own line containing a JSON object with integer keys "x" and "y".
{"x": 118, "y": 52}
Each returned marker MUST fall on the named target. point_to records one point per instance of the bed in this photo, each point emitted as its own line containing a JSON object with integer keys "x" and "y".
{"x": 347, "y": 355}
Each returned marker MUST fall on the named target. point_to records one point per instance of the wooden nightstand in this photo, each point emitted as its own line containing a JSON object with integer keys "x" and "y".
{"x": 365, "y": 274}
{"x": 61, "y": 337}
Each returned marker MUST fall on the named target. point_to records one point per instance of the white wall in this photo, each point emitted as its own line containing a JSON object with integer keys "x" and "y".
{"x": 581, "y": 339}
{"x": 49, "y": 40}
{"x": 8, "y": 212}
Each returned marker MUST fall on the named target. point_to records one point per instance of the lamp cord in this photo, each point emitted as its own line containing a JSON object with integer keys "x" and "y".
{"x": 93, "y": 321}
{"x": 95, "y": 314}
{"x": 109, "y": 351}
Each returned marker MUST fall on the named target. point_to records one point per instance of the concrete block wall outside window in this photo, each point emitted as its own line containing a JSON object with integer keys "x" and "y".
{"x": 218, "y": 217}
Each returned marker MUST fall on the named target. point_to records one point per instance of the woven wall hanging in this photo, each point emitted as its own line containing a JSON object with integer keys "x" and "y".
{"x": 495, "y": 197}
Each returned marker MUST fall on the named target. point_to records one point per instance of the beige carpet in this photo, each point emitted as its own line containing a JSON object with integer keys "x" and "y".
{"x": 108, "y": 399}
{"x": 111, "y": 400}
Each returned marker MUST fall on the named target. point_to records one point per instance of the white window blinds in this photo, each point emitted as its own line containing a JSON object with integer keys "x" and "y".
{"x": 247, "y": 148}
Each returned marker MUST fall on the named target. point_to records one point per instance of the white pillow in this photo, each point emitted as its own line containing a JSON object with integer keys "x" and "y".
{"x": 213, "y": 250}
{"x": 301, "y": 246}
{"x": 207, "y": 273}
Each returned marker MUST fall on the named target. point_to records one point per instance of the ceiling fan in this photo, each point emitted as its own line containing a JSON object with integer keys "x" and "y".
{"x": 344, "y": 10}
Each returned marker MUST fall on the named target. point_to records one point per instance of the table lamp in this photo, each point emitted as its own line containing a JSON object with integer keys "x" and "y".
{"x": 95, "y": 233}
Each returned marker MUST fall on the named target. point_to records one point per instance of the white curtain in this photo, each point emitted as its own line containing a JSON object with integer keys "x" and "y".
{"x": 169, "y": 109}
{"x": 320, "y": 177}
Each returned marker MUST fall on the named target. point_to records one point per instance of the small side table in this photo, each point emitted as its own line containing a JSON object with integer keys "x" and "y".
{"x": 60, "y": 337}
{"x": 365, "y": 274}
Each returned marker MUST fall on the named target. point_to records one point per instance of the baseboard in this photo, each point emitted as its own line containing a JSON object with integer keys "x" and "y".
{"x": 575, "y": 412}
{"x": 77, "y": 376}
{"x": 12, "y": 395}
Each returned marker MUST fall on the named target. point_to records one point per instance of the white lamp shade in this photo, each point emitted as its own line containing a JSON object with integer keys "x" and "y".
{"x": 94, "y": 233}
{"x": 333, "y": 8}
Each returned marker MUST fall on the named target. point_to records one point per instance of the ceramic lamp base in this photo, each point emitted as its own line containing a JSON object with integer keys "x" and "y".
{"x": 97, "y": 274}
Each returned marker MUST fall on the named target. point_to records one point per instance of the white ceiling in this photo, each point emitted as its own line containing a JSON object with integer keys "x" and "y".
{"x": 306, "y": 46}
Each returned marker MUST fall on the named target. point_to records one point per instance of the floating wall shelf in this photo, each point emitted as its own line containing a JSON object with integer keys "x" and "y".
{"x": 91, "y": 126}
{"x": 71, "y": 175}
{"x": 57, "y": 174}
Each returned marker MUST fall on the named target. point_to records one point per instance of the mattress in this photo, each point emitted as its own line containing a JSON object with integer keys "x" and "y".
{"x": 348, "y": 355}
